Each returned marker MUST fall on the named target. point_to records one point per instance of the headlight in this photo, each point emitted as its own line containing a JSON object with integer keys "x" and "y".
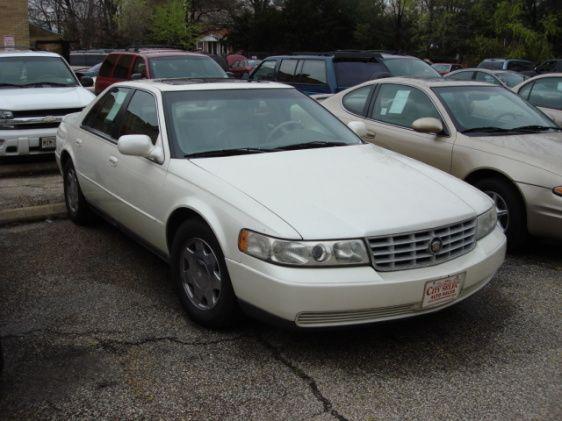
{"x": 303, "y": 253}
{"x": 557, "y": 190}
{"x": 5, "y": 118}
{"x": 486, "y": 223}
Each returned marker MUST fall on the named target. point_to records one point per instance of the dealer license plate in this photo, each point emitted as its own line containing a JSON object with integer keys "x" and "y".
{"x": 48, "y": 142}
{"x": 442, "y": 291}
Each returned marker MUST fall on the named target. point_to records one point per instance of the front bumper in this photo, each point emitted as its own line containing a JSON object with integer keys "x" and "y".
{"x": 325, "y": 297}
{"x": 24, "y": 142}
{"x": 544, "y": 211}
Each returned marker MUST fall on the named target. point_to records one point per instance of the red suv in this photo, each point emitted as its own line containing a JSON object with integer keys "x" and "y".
{"x": 155, "y": 64}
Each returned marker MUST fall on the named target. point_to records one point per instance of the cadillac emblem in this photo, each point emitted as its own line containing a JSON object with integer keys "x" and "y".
{"x": 435, "y": 245}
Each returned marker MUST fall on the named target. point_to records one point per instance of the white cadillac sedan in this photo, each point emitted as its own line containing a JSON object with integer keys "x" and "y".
{"x": 260, "y": 199}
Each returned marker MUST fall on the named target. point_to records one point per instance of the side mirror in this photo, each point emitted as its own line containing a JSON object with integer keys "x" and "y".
{"x": 358, "y": 127}
{"x": 87, "y": 81}
{"x": 428, "y": 125}
{"x": 140, "y": 145}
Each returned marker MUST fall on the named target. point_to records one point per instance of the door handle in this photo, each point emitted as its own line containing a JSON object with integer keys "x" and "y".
{"x": 112, "y": 161}
{"x": 370, "y": 135}
{"x": 78, "y": 142}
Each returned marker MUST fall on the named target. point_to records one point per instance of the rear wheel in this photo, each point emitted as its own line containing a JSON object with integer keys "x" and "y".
{"x": 201, "y": 276}
{"x": 510, "y": 209}
{"x": 76, "y": 204}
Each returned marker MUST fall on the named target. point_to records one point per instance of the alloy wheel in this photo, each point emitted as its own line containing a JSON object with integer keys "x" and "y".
{"x": 501, "y": 208}
{"x": 200, "y": 274}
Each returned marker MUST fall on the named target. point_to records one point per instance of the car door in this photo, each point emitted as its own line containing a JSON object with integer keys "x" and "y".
{"x": 136, "y": 182}
{"x": 94, "y": 141}
{"x": 105, "y": 74}
{"x": 312, "y": 77}
{"x": 393, "y": 109}
{"x": 546, "y": 93}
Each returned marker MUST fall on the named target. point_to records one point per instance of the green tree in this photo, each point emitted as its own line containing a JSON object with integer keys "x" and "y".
{"x": 171, "y": 24}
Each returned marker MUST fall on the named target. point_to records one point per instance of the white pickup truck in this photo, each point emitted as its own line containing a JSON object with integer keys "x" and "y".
{"x": 37, "y": 89}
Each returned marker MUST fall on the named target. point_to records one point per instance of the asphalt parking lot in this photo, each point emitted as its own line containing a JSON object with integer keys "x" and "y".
{"x": 91, "y": 327}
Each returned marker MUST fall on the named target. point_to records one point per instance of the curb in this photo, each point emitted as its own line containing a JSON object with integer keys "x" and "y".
{"x": 32, "y": 213}
{"x": 28, "y": 169}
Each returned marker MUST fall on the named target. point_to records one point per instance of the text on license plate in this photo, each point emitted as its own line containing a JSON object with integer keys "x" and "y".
{"x": 48, "y": 142}
{"x": 441, "y": 291}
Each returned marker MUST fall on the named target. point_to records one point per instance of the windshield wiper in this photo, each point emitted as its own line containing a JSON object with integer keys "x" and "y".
{"x": 487, "y": 129}
{"x": 225, "y": 152}
{"x": 47, "y": 84}
{"x": 535, "y": 128}
{"x": 309, "y": 145}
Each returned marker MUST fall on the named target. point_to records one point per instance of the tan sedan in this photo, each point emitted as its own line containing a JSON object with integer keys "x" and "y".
{"x": 483, "y": 134}
{"x": 545, "y": 92}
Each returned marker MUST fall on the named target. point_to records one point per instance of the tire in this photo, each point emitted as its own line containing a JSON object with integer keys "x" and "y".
{"x": 76, "y": 204}
{"x": 507, "y": 198}
{"x": 201, "y": 276}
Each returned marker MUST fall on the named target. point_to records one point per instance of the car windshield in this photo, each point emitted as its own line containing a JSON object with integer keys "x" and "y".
{"x": 28, "y": 71}
{"x": 441, "y": 67}
{"x": 351, "y": 73}
{"x": 185, "y": 67}
{"x": 510, "y": 78}
{"x": 249, "y": 120}
{"x": 491, "y": 109}
{"x": 411, "y": 67}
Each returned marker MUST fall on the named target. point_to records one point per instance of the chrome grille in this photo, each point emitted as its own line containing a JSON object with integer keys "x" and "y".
{"x": 412, "y": 250}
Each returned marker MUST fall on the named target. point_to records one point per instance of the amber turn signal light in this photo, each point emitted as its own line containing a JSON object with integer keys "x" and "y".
{"x": 557, "y": 190}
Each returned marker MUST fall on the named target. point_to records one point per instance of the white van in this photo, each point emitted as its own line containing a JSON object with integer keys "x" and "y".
{"x": 37, "y": 89}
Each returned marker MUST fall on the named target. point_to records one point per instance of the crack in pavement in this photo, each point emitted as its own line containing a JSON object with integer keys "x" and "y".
{"x": 113, "y": 344}
{"x": 326, "y": 403}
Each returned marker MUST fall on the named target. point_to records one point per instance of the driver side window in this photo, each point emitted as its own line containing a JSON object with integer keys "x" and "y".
{"x": 401, "y": 105}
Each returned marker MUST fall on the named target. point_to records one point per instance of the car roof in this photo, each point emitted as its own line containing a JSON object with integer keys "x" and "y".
{"x": 160, "y": 52}
{"x": 184, "y": 84}
{"x": 426, "y": 83}
{"x": 543, "y": 76}
{"x": 340, "y": 54}
{"x": 481, "y": 69}
{"x": 26, "y": 53}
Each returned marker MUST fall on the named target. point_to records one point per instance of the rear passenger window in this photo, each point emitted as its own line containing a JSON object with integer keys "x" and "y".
{"x": 485, "y": 77}
{"x": 402, "y": 105}
{"x": 287, "y": 71}
{"x": 103, "y": 114}
{"x": 524, "y": 91}
{"x": 122, "y": 69}
{"x": 355, "y": 101}
{"x": 266, "y": 71}
{"x": 141, "y": 116}
{"x": 107, "y": 66}
{"x": 313, "y": 72}
{"x": 461, "y": 76}
{"x": 547, "y": 93}
{"x": 139, "y": 68}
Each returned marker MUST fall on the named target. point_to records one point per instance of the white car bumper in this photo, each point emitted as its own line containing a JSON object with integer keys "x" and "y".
{"x": 354, "y": 295}
{"x": 25, "y": 142}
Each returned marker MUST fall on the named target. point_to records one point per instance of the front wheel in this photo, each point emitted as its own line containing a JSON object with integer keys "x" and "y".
{"x": 201, "y": 276}
{"x": 510, "y": 209}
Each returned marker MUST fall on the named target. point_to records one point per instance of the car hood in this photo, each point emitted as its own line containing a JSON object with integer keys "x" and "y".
{"x": 351, "y": 191}
{"x": 541, "y": 150}
{"x": 24, "y": 99}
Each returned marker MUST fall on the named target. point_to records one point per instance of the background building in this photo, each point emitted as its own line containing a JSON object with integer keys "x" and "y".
{"x": 14, "y": 24}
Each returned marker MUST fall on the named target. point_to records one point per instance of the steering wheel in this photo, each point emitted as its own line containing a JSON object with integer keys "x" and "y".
{"x": 283, "y": 128}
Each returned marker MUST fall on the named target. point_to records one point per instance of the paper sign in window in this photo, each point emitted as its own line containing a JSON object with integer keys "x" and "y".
{"x": 399, "y": 102}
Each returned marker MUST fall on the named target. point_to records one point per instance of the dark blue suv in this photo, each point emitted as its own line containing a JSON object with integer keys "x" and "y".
{"x": 333, "y": 72}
